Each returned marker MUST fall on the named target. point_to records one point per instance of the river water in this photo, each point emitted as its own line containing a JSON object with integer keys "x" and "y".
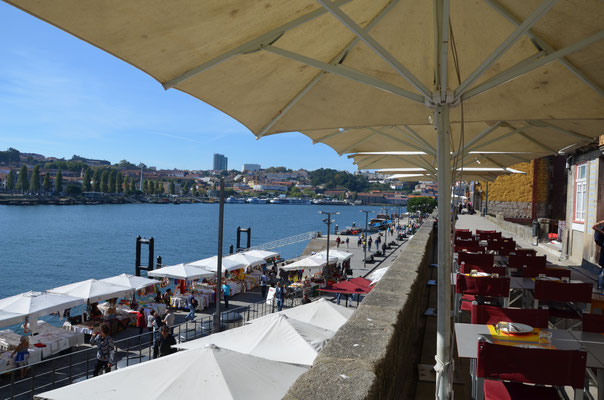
{"x": 42, "y": 247}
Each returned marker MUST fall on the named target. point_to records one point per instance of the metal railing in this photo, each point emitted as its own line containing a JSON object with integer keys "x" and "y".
{"x": 65, "y": 369}
{"x": 302, "y": 237}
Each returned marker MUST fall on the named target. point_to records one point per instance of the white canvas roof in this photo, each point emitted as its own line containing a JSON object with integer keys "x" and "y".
{"x": 206, "y": 372}
{"x": 313, "y": 263}
{"x": 131, "y": 281}
{"x": 9, "y": 318}
{"x": 279, "y": 339}
{"x": 340, "y": 255}
{"x": 93, "y": 290}
{"x": 34, "y": 304}
{"x": 181, "y": 271}
{"x": 246, "y": 259}
{"x": 321, "y": 313}
{"x": 262, "y": 254}
{"x": 211, "y": 264}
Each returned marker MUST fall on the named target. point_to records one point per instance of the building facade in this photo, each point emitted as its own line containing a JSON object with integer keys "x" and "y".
{"x": 220, "y": 162}
{"x": 250, "y": 167}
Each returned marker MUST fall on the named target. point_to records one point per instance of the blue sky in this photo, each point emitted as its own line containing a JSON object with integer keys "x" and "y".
{"x": 60, "y": 96}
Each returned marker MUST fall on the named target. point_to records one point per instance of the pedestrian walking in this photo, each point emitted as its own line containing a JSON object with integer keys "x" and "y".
{"x": 163, "y": 346}
{"x": 191, "y": 305}
{"x": 141, "y": 320}
{"x": 338, "y": 240}
{"x": 150, "y": 320}
{"x": 370, "y": 241}
{"x": 347, "y": 243}
{"x": 105, "y": 355}
{"x": 226, "y": 293}
{"x": 280, "y": 295}
{"x": 264, "y": 284}
{"x": 359, "y": 242}
{"x": 169, "y": 319}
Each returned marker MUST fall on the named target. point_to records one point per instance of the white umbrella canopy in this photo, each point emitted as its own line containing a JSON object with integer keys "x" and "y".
{"x": 314, "y": 262}
{"x": 35, "y": 304}
{"x": 322, "y": 313}
{"x": 340, "y": 255}
{"x": 211, "y": 264}
{"x": 467, "y": 174}
{"x": 131, "y": 281}
{"x": 93, "y": 290}
{"x": 181, "y": 271}
{"x": 279, "y": 339}
{"x": 262, "y": 254}
{"x": 246, "y": 259}
{"x": 10, "y": 318}
{"x": 208, "y": 371}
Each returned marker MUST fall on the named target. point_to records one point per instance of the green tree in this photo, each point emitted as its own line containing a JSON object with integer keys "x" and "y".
{"x": 145, "y": 189}
{"x": 22, "y": 182}
{"x": 46, "y": 185}
{"x": 112, "y": 180}
{"x": 172, "y": 187}
{"x": 73, "y": 190}
{"x": 423, "y": 204}
{"x": 161, "y": 187}
{"x": 152, "y": 187}
{"x": 59, "y": 181}
{"x": 10, "y": 181}
{"x": 86, "y": 181}
{"x": 132, "y": 186}
{"x": 186, "y": 188}
{"x": 194, "y": 191}
{"x": 120, "y": 182}
{"x": 294, "y": 191}
{"x": 34, "y": 183}
{"x": 105, "y": 181}
{"x": 97, "y": 180}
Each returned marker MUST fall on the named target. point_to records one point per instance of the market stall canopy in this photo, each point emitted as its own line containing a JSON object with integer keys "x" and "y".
{"x": 246, "y": 259}
{"x": 11, "y": 318}
{"x": 35, "y": 304}
{"x": 206, "y": 372}
{"x": 322, "y": 313}
{"x": 131, "y": 281}
{"x": 377, "y": 275}
{"x": 280, "y": 339}
{"x": 346, "y": 287}
{"x": 181, "y": 271}
{"x": 359, "y": 280}
{"x": 93, "y": 290}
{"x": 267, "y": 255}
{"x": 211, "y": 264}
{"x": 314, "y": 262}
{"x": 340, "y": 255}
{"x": 401, "y": 159}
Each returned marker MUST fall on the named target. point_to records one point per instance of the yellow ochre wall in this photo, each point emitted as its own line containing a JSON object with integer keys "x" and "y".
{"x": 519, "y": 187}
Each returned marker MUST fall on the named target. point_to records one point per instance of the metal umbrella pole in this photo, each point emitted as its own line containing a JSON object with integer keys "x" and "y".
{"x": 219, "y": 260}
{"x": 328, "y": 222}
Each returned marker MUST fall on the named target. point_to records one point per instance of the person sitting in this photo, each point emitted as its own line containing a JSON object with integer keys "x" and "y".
{"x": 21, "y": 354}
{"x": 94, "y": 311}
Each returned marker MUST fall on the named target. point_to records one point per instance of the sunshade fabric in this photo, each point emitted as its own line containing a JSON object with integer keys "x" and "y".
{"x": 246, "y": 259}
{"x": 322, "y": 313}
{"x": 311, "y": 262}
{"x": 211, "y": 264}
{"x": 214, "y": 372}
{"x": 340, "y": 255}
{"x": 346, "y": 287}
{"x": 168, "y": 40}
{"x": 262, "y": 254}
{"x": 489, "y": 174}
{"x": 279, "y": 339}
{"x": 35, "y": 304}
{"x": 10, "y": 318}
{"x": 473, "y": 160}
{"x": 131, "y": 281}
{"x": 181, "y": 271}
{"x": 93, "y": 290}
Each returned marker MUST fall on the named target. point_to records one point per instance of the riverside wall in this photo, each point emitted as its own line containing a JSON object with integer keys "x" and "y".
{"x": 375, "y": 354}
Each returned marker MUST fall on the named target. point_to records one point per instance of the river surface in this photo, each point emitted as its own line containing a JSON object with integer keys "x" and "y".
{"x": 42, "y": 247}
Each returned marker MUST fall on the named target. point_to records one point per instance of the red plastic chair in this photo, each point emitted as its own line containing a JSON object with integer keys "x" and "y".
{"x": 466, "y": 242}
{"x": 532, "y": 262}
{"x": 563, "y": 292}
{"x": 491, "y": 315}
{"x": 593, "y": 323}
{"x": 479, "y": 231}
{"x": 471, "y": 249}
{"x": 524, "y": 252}
{"x": 489, "y": 235}
{"x": 466, "y": 268}
{"x": 502, "y": 248}
{"x": 520, "y": 365}
{"x": 463, "y": 233}
{"x": 484, "y": 260}
{"x": 468, "y": 287}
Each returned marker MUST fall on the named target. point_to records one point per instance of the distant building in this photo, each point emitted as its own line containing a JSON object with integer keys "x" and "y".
{"x": 250, "y": 167}
{"x": 220, "y": 162}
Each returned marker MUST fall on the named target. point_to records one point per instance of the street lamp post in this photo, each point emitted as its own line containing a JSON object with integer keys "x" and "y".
{"x": 365, "y": 247}
{"x": 328, "y": 221}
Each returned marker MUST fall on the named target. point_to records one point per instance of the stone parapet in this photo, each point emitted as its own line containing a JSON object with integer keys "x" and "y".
{"x": 525, "y": 232}
{"x": 511, "y": 209}
{"x": 375, "y": 354}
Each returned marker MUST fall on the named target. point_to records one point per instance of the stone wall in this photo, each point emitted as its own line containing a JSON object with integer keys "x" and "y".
{"x": 375, "y": 354}
{"x": 510, "y": 209}
{"x": 525, "y": 232}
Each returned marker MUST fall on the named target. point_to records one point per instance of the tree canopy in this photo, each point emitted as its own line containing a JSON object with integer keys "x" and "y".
{"x": 424, "y": 204}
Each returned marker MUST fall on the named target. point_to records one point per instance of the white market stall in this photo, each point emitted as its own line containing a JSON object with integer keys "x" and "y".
{"x": 211, "y": 264}
{"x": 340, "y": 255}
{"x": 246, "y": 259}
{"x": 182, "y": 272}
{"x": 132, "y": 281}
{"x": 279, "y": 338}
{"x": 11, "y": 318}
{"x": 310, "y": 265}
{"x": 35, "y": 304}
{"x": 93, "y": 290}
{"x": 267, "y": 255}
{"x": 321, "y": 313}
{"x": 208, "y": 371}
